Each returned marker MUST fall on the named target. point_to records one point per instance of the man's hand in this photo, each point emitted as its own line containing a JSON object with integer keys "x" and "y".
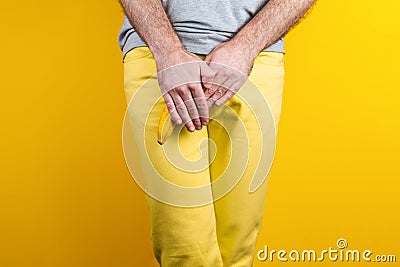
{"x": 273, "y": 21}
{"x": 180, "y": 85}
{"x": 232, "y": 64}
{"x": 179, "y": 77}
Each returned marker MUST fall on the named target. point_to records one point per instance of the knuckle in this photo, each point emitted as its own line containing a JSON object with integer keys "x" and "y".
{"x": 230, "y": 93}
{"x": 170, "y": 106}
{"x": 181, "y": 90}
{"x": 173, "y": 93}
{"x": 180, "y": 108}
{"x": 193, "y": 87}
{"x": 191, "y": 112}
{"x": 209, "y": 91}
{"x": 219, "y": 92}
{"x": 201, "y": 105}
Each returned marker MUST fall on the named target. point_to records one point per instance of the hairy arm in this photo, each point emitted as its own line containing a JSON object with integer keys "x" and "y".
{"x": 185, "y": 101}
{"x": 150, "y": 21}
{"x": 272, "y": 22}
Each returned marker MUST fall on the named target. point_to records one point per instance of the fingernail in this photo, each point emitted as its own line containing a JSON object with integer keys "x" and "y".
{"x": 198, "y": 127}
{"x": 218, "y": 104}
{"x": 191, "y": 128}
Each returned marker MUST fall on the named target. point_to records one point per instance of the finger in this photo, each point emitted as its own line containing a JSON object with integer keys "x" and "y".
{"x": 169, "y": 102}
{"x": 207, "y": 75}
{"x": 187, "y": 98}
{"x": 223, "y": 99}
{"x": 219, "y": 92}
{"x": 220, "y": 80}
{"x": 200, "y": 101}
{"x": 209, "y": 91}
{"x": 182, "y": 110}
{"x": 230, "y": 91}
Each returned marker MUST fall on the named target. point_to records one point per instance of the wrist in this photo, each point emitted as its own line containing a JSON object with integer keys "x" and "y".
{"x": 173, "y": 56}
{"x": 254, "y": 41}
{"x": 163, "y": 50}
{"x": 247, "y": 46}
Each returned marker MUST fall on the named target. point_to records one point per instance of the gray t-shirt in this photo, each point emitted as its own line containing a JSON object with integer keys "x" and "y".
{"x": 202, "y": 25}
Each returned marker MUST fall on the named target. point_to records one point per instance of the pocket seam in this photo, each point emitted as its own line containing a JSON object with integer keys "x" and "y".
{"x": 137, "y": 53}
{"x": 265, "y": 58}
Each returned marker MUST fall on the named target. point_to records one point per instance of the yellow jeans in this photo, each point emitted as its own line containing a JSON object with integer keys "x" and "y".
{"x": 217, "y": 233}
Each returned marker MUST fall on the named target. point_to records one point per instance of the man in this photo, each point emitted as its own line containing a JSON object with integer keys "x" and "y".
{"x": 203, "y": 52}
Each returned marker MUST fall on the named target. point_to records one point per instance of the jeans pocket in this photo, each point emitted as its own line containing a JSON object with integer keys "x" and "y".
{"x": 270, "y": 58}
{"x": 137, "y": 53}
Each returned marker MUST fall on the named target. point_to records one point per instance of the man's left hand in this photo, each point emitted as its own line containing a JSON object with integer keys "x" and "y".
{"x": 232, "y": 65}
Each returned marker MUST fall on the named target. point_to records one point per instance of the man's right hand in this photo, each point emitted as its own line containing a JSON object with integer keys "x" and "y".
{"x": 180, "y": 84}
{"x": 179, "y": 76}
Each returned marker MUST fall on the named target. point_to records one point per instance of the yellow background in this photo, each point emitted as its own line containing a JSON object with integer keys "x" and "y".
{"x": 67, "y": 199}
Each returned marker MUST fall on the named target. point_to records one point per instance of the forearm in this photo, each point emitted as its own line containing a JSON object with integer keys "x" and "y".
{"x": 150, "y": 21}
{"x": 270, "y": 23}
